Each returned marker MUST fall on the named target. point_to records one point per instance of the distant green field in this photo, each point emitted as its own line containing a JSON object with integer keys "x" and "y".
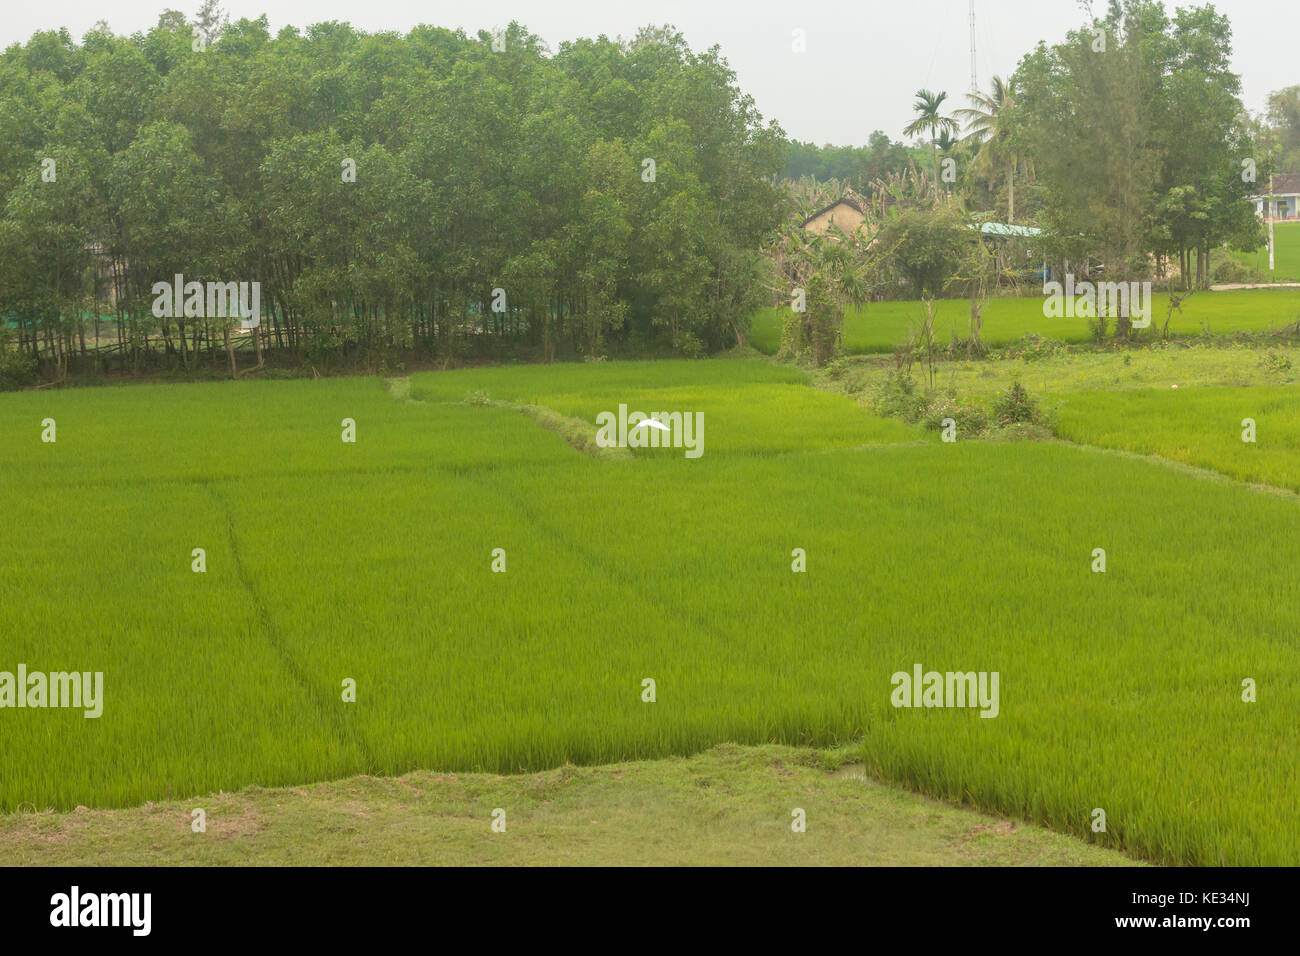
{"x": 371, "y": 561}
{"x": 1286, "y": 255}
{"x": 881, "y": 326}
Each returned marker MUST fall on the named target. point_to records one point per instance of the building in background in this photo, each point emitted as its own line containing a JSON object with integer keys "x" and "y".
{"x": 1282, "y": 201}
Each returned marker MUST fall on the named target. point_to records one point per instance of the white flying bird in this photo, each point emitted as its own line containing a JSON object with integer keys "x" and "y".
{"x": 653, "y": 423}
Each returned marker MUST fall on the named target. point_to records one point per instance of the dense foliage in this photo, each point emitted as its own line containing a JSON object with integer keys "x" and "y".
{"x": 855, "y": 166}
{"x": 612, "y": 191}
{"x": 1140, "y": 141}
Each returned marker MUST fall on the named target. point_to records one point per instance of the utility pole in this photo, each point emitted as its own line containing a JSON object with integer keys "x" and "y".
{"x": 1268, "y": 203}
{"x": 974, "y": 79}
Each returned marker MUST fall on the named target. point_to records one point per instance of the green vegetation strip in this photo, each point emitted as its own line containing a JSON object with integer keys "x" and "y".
{"x": 883, "y": 326}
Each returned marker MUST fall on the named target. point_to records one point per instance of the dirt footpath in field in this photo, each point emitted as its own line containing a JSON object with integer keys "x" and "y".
{"x": 1232, "y": 286}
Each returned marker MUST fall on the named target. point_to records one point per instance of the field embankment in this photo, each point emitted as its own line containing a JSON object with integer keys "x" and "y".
{"x": 727, "y": 806}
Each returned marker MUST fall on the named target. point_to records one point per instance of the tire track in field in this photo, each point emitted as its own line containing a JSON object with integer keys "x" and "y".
{"x": 602, "y": 565}
{"x": 344, "y": 730}
{"x": 796, "y": 734}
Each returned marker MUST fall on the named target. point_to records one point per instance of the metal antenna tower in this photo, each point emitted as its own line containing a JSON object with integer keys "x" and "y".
{"x": 974, "y": 79}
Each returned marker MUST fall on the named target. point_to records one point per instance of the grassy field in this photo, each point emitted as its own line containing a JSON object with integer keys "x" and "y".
{"x": 1286, "y": 255}
{"x": 728, "y": 806}
{"x": 371, "y": 561}
{"x": 1062, "y": 372}
{"x": 1183, "y": 404}
{"x": 881, "y": 326}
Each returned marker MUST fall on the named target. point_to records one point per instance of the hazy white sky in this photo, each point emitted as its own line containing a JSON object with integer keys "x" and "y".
{"x": 864, "y": 59}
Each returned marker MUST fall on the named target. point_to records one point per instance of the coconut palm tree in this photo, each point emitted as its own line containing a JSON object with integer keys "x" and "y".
{"x": 929, "y": 119}
{"x": 988, "y": 124}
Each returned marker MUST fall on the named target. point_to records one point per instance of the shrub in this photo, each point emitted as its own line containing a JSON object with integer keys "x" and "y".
{"x": 1230, "y": 270}
{"x": 690, "y": 345}
{"x": 17, "y": 370}
{"x": 897, "y": 397}
{"x": 972, "y": 418}
{"x": 1277, "y": 363}
{"x": 1014, "y": 406}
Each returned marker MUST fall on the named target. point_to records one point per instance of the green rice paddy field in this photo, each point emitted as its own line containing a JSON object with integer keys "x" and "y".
{"x": 372, "y": 561}
{"x": 882, "y": 326}
{"x": 1286, "y": 255}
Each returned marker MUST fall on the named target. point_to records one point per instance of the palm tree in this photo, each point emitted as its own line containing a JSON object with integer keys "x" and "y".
{"x": 948, "y": 143}
{"x": 927, "y": 109}
{"x": 988, "y": 124}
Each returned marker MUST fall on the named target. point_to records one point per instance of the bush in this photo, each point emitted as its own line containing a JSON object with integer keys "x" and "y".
{"x": 1277, "y": 363}
{"x": 690, "y": 345}
{"x": 972, "y": 419}
{"x": 1230, "y": 270}
{"x": 1013, "y": 412}
{"x": 896, "y": 397}
{"x": 17, "y": 370}
{"x": 1014, "y": 407}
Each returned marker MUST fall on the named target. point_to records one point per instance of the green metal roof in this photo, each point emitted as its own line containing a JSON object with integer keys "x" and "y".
{"x": 1006, "y": 229}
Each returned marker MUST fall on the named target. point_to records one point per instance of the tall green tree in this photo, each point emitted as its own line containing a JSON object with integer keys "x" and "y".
{"x": 930, "y": 119}
{"x": 990, "y": 125}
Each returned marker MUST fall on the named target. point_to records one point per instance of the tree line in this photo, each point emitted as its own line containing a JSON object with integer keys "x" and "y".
{"x": 856, "y": 167}
{"x": 427, "y": 194}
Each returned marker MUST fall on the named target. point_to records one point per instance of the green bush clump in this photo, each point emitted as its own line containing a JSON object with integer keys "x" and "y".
{"x": 1277, "y": 363}
{"x": 971, "y": 418}
{"x": 897, "y": 397}
{"x": 1015, "y": 407}
{"x": 17, "y": 370}
{"x": 1230, "y": 270}
{"x": 690, "y": 345}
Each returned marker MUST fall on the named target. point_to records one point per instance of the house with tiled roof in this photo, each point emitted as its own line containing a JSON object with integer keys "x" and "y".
{"x": 1282, "y": 200}
{"x": 847, "y": 215}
